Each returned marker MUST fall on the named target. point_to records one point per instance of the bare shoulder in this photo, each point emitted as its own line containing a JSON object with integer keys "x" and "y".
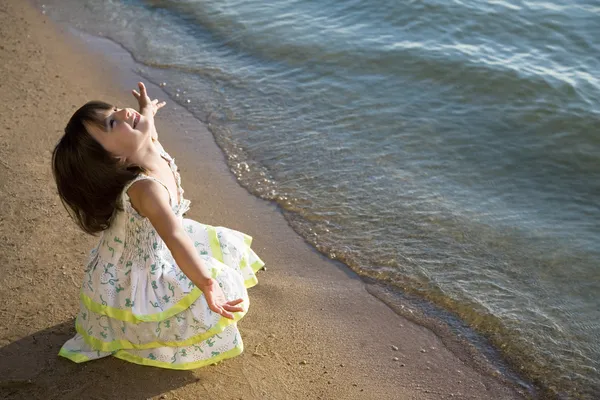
{"x": 148, "y": 197}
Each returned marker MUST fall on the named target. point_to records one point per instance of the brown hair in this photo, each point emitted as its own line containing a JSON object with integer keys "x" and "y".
{"x": 88, "y": 178}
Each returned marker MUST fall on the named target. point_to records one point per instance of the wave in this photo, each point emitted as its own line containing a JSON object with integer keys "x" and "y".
{"x": 418, "y": 101}
{"x": 343, "y": 41}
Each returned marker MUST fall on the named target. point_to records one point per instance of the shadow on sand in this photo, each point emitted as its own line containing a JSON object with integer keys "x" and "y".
{"x": 30, "y": 368}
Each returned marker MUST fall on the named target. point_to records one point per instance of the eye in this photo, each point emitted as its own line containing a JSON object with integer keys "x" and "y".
{"x": 111, "y": 123}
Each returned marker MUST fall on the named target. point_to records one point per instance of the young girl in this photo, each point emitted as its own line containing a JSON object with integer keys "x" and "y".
{"x": 158, "y": 289}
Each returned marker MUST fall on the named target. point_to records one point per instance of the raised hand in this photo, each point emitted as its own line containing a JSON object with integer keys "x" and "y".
{"x": 146, "y": 105}
{"x": 218, "y": 303}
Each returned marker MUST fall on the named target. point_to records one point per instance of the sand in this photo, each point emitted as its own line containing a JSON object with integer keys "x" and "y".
{"x": 313, "y": 330}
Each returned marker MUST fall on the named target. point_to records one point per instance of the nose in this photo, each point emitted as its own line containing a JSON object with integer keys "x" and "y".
{"x": 124, "y": 114}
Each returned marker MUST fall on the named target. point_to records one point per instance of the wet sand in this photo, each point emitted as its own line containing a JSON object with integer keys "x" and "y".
{"x": 313, "y": 330}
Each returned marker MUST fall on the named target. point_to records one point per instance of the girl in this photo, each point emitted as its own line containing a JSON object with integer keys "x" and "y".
{"x": 158, "y": 289}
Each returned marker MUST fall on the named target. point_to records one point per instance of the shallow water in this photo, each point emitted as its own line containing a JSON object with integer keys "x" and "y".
{"x": 449, "y": 148}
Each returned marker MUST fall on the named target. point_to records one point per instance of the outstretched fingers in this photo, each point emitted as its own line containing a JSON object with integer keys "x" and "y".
{"x": 157, "y": 106}
{"x": 228, "y": 308}
{"x": 235, "y": 302}
{"x": 144, "y": 101}
{"x": 142, "y": 88}
{"x": 226, "y": 314}
{"x": 142, "y": 93}
{"x": 232, "y": 308}
{"x": 222, "y": 311}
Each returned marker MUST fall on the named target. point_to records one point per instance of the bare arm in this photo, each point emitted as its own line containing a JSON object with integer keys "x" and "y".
{"x": 152, "y": 201}
{"x": 148, "y": 107}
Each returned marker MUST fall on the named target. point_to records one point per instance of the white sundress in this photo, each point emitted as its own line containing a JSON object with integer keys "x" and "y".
{"x": 137, "y": 305}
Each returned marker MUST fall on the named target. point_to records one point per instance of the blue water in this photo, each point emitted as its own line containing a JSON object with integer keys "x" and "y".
{"x": 449, "y": 148}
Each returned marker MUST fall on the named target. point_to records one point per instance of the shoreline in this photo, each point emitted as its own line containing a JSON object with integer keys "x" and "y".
{"x": 464, "y": 342}
{"x": 311, "y": 293}
{"x": 465, "y": 349}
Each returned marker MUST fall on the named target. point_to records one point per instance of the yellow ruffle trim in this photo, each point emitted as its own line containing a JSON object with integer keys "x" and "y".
{"x": 97, "y": 344}
{"x": 128, "y": 316}
{"x": 124, "y": 355}
{"x": 73, "y": 355}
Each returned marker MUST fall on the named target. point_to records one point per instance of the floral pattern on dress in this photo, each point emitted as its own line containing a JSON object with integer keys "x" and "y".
{"x": 137, "y": 305}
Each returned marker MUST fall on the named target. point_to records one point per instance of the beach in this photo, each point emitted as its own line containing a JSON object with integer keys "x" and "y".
{"x": 313, "y": 330}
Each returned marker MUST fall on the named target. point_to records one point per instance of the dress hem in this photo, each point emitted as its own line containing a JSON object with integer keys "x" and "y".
{"x": 115, "y": 345}
{"x": 128, "y": 316}
{"x": 73, "y": 356}
{"x": 126, "y": 356}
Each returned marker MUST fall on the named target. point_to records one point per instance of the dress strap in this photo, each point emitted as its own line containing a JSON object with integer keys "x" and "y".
{"x": 178, "y": 195}
{"x": 166, "y": 156}
{"x": 142, "y": 177}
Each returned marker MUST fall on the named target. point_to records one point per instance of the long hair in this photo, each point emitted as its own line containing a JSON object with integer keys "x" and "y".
{"x": 89, "y": 179}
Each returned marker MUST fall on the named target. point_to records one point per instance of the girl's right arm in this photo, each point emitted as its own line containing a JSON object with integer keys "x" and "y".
{"x": 148, "y": 107}
{"x": 152, "y": 201}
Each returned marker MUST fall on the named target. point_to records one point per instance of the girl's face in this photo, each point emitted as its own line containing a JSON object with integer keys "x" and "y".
{"x": 123, "y": 132}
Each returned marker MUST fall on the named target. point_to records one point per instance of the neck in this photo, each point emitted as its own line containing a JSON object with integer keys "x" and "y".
{"x": 148, "y": 156}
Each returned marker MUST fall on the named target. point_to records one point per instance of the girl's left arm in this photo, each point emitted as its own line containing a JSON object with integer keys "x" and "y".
{"x": 152, "y": 201}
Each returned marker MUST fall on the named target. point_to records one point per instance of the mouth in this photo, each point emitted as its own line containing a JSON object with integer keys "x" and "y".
{"x": 136, "y": 119}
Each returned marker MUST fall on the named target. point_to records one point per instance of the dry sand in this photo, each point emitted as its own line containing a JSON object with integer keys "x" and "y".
{"x": 312, "y": 332}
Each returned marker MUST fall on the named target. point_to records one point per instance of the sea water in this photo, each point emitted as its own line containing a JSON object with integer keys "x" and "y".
{"x": 448, "y": 148}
